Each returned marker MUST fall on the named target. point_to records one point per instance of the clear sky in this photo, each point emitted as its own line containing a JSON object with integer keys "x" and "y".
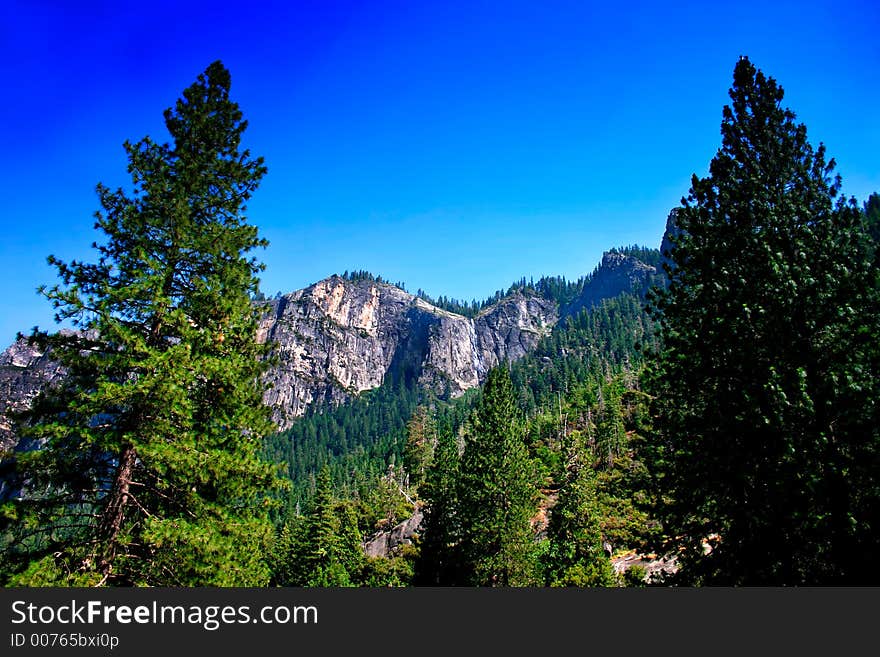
{"x": 455, "y": 146}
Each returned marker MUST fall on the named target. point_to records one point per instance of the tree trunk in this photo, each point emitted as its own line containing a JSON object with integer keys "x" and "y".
{"x": 114, "y": 510}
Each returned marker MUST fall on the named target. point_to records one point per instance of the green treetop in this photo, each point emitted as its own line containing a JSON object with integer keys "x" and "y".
{"x": 324, "y": 548}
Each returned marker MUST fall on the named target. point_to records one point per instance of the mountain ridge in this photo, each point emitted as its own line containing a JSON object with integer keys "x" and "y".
{"x": 339, "y": 337}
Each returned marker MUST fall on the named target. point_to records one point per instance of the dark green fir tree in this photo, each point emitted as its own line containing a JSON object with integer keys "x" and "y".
{"x": 324, "y": 548}
{"x": 575, "y": 555}
{"x": 421, "y": 435}
{"x": 872, "y": 224}
{"x": 147, "y": 470}
{"x": 766, "y": 385}
{"x": 497, "y": 492}
{"x": 438, "y": 563}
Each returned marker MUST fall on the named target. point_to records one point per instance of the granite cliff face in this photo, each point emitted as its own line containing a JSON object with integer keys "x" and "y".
{"x": 338, "y": 337}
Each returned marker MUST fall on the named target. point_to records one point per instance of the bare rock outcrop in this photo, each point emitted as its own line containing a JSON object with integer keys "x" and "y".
{"x": 386, "y": 542}
{"x": 24, "y": 371}
{"x": 338, "y": 337}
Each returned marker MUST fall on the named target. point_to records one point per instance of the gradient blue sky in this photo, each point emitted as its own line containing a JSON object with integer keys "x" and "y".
{"x": 455, "y": 146}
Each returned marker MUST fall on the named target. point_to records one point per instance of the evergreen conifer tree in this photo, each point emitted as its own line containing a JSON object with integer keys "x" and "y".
{"x": 148, "y": 467}
{"x": 575, "y": 556}
{"x": 324, "y": 548}
{"x": 438, "y": 561}
{"x": 419, "y": 448}
{"x": 497, "y": 492}
{"x": 766, "y": 383}
{"x": 872, "y": 224}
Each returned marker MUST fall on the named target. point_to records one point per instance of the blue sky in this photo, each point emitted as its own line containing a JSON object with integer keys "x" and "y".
{"x": 455, "y": 146}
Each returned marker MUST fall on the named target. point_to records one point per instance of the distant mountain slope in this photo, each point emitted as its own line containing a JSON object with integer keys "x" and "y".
{"x": 617, "y": 273}
{"x": 359, "y": 440}
{"x": 340, "y": 337}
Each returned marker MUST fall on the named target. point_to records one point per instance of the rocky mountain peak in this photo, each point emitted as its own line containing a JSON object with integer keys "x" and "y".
{"x": 339, "y": 337}
{"x": 616, "y": 273}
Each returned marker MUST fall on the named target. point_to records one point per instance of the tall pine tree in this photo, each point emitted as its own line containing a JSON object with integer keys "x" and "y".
{"x": 438, "y": 563}
{"x": 497, "y": 492}
{"x": 575, "y": 555}
{"x": 766, "y": 383}
{"x": 419, "y": 448}
{"x": 872, "y": 224}
{"x": 322, "y": 549}
{"x": 148, "y": 470}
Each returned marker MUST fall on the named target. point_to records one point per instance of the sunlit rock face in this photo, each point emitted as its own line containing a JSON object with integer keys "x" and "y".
{"x": 337, "y": 338}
